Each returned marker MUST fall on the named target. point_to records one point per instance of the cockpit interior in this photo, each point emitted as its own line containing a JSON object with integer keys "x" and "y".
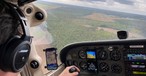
{"x": 106, "y": 58}
{"x": 100, "y": 37}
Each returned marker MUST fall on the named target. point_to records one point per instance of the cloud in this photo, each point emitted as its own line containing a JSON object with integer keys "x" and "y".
{"x": 128, "y": 2}
{"x": 93, "y": 0}
{"x": 130, "y": 6}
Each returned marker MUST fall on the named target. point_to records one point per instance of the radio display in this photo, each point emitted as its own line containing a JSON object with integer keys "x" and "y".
{"x": 139, "y": 73}
{"x": 136, "y": 56}
{"x": 91, "y": 54}
{"x": 138, "y": 66}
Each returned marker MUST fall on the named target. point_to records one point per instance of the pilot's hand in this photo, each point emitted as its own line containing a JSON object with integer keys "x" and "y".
{"x": 67, "y": 72}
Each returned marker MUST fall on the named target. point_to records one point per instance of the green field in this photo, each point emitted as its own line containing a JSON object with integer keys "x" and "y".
{"x": 69, "y": 24}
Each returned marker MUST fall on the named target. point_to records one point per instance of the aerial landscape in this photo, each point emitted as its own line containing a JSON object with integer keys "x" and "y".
{"x": 68, "y": 23}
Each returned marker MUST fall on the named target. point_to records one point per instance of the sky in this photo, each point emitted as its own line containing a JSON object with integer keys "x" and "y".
{"x": 130, "y": 6}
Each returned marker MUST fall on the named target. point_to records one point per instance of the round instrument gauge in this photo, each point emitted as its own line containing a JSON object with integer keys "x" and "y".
{"x": 103, "y": 67}
{"x": 116, "y": 68}
{"x": 82, "y": 54}
{"x": 83, "y": 65}
{"x": 115, "y": 55}
{"x": 102, "y": 55}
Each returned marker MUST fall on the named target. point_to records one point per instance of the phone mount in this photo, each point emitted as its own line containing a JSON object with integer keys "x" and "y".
{"x": 51, "y": 58}
{"x": 122, "y": 34}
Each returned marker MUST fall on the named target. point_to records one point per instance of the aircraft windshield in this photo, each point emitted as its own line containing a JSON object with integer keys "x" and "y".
{"x": 72, "y": 21}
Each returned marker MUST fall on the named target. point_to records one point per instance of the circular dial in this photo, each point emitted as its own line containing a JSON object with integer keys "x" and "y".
{"x": 82, "y": 54}
{"x": 102, "y": 55}
{"x": 83, "y": 65}
{"x": 115, "y": 55}
{"x": 103, "y": 67}
{"x": 116, "y": 68}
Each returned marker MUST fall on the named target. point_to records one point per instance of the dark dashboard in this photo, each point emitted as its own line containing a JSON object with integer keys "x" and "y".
{"x": 107, "y": 58}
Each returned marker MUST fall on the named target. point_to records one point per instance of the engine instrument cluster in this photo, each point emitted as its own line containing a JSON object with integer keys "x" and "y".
{"x": 107, "y": 58}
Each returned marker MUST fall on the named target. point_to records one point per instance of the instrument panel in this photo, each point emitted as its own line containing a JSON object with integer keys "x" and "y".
{"x": 107, "y": 58}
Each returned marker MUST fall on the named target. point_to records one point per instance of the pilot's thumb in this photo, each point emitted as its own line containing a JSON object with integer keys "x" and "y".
{"x": 75, "y": 73}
